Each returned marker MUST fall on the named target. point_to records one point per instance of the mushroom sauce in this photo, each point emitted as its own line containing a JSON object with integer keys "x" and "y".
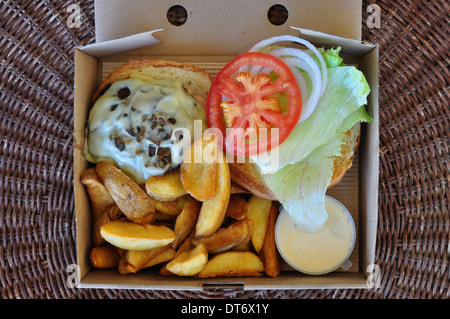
{"x": 134, "y": 124}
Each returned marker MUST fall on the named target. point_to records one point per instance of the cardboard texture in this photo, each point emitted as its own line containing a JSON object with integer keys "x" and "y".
{"x": 224, "y": 26}
{"x": 150, "y": 35}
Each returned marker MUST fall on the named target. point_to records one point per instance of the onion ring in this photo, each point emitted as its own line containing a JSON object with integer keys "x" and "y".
{"x": 298, "y": 58}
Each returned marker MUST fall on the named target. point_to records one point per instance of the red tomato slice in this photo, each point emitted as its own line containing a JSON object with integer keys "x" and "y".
{"x": 246, "y": 109}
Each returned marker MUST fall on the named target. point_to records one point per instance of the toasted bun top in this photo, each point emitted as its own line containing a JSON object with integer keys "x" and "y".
{"x": 248, "y": 175}
{"x": 343, "y": 163}
{"x": 194, "y": 79}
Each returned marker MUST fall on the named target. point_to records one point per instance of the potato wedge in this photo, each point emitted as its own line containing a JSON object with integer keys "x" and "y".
{"x": 186, "y": 245}
{"x": 101, "y": 200}
{"x": 237, "y": 207}
{"x": 103, "y": 205}
{"x": 134, "y": 260}
{"x": 164, "y": 272}
{"x": 212, "y": 213}
{"x": 185, "y": 222}
{"x": 173, "y": 207}
{"x": 132, "y": 200}
{"x": 166, "y": 255}
{"x": 238, "y": 189}
{"x": 114, "y": 212}
{"x": 246, "y": 245}
{"x": 166, "y": 187}
{"x": 97, "y": 223}
{"x": 258, "y": 211}
{"x": 160, "y": 217}
{"x": 189, "y": 263}
{"x": 233, "y": 264}
{"x": 269, "y": 252}
{"x": 104, "y": 257}
{"x": 225, "y": 238}
{"x": 128, "y": 235}
{"x": 199, "y": 169}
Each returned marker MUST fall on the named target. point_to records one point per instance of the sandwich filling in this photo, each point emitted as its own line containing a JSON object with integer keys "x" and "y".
{"x": 137, "y": 123}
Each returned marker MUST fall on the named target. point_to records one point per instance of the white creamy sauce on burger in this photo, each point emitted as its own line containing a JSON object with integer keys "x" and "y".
{"x": 136, "y": 124}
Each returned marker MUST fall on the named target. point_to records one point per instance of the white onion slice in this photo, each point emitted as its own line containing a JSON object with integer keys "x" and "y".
{"x": 302, "y": 85}
{"x": 297, "y": 58}
{"x": 295, "y": 39}
{"x": 245, "y": 68}
{"x": 265, "y": 70}
{"x": 300, "y": 59}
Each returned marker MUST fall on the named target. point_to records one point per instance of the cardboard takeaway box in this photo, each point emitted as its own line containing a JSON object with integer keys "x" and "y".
{"x": 211, "y": 36}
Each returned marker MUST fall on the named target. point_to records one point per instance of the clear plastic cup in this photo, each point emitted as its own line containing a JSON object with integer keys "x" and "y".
{"x": 323, "y": 251}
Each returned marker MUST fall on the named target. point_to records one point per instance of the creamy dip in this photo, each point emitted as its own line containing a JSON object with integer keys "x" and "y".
{"x": 322, "y": 251}
{"x": 134, "y": 124}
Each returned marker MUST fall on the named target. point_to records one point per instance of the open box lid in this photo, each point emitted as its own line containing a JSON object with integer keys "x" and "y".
{"x": 116, "y": 19}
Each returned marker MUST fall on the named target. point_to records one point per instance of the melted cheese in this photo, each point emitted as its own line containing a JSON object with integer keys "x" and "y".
{"x": 133, "y": 123}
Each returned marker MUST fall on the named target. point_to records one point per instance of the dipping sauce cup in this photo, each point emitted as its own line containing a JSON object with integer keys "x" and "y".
{"x": 320, "y": 252}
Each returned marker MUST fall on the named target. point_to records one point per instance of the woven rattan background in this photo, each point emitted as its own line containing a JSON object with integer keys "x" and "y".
{"x": 37, "y": 220}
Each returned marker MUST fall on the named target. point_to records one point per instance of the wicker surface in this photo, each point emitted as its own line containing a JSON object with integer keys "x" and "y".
{"x": 37, "y": 222}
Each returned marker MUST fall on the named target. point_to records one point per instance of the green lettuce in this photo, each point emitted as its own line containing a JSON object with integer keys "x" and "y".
{"x": 306, "y": 157}
{"x": 331, "y": 57}
{"x": 301, "y": 187}
{"x": 346, "y": 92}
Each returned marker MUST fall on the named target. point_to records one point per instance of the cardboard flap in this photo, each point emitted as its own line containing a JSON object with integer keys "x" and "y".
{"x": 244, "y": 22}
{"x": 120, "y": 45}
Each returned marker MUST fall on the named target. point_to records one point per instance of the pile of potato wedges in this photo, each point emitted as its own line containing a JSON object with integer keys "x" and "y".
{"x": 193, "y": 221}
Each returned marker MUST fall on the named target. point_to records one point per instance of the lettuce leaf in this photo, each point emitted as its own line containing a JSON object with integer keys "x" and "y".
{"x": 301, "y": 187}
{"x": 331, "y": 57}
{"x": 306, "y": 157}
{"x": 346, "y": 92}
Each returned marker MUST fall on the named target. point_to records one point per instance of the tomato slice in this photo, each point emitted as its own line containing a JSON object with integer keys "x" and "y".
{"x": 246, "y": 109}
